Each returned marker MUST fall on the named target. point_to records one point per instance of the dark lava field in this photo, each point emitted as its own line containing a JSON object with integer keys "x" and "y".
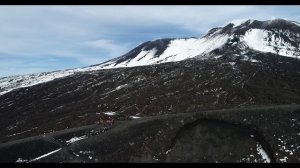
{"x": 230, "y": 109}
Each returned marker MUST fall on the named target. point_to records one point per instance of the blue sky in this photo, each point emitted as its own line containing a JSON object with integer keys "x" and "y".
{"x": 46, "y": 38}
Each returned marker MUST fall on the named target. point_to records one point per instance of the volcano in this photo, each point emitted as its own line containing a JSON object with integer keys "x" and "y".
{"x": 231, "y": 95}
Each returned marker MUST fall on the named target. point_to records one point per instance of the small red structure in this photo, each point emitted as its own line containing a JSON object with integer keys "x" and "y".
{"x": 110, "y": 121}
{"x": 106, "y": 120}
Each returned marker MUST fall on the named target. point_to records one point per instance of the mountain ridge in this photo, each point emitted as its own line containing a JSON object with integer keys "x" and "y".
{"x": 277, "y": 36}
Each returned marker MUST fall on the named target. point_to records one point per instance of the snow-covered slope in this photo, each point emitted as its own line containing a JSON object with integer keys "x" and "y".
{"x": 266, "y": 41}
{"x": 176, "y": 50}
{"x": 10, "y": 83}
{"x": 277, "y": 36}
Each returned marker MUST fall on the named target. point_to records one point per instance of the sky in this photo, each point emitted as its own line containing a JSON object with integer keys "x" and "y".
{"x": 47, "y": 38}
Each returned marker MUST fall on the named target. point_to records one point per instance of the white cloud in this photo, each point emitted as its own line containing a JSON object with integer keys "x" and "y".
{"x": 189, "y": 17}
{"x": 103, "y": 44}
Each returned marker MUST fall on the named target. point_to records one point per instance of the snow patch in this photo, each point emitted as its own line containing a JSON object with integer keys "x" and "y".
{"x": 117, "y": 88}
{"x": 259, "y": 40}
{"x": 75, "y": 139}
{"x": 20, "y": 160}
{"x": 121, "y": 86}
{"x": 21, "y": 132}
{"x": 168, "y": 151}
{"x": 296, "y": 23}
{"x": 254, "y": 60}
{"x": 110, "y": 113}
{"x": 10, "y": 83}
{"x": 134, "y": 117}
{"x": 45, "y": 155}
{"x": 262, "y": 153}
{"x": 86, "y": 152}
{"x": 284, "y": 159}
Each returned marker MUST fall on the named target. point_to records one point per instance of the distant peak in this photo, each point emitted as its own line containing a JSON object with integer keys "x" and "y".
{"x": 238, "y": 22}
{"x": 282, "y": 23}
{"x": 278, "y": 19}
{"x": 273, "y": 19}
